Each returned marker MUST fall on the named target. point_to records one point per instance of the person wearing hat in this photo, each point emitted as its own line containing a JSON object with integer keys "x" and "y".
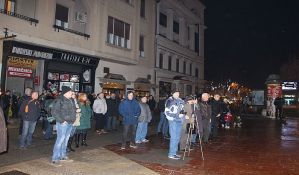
{"x": 174, "y": 111}
{"x": 64, "y": 111}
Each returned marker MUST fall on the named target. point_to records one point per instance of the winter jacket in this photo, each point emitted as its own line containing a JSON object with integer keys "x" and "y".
{"x": 100, "y": 106}
{"x": 161, "y": 105}
{"x": 174, "y": 109}
{"x": 130, "y": 111}
{"x": 152, "y": 104}
{"x": 205, "y": 110}
{"x": 145, "y": 114}
{"x": 112, "y": 107}
{"x": 216, "y": 108}
{"x": 64, "y": 110}
{"x": 85, "y": 117}
{"x": 34, "y": 110}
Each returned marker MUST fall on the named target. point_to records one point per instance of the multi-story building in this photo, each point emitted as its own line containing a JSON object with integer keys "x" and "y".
{"x": 179, "y": 46}
{"x": 92, "y": 46}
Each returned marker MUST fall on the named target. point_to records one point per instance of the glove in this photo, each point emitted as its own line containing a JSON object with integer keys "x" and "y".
{"x": 170, "y": 118}
{"x": 181, "y": 115}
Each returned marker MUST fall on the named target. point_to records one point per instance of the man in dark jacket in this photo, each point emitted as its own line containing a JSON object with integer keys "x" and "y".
{"x": 279, "y": 102}
{"x": 216, "y": 113}
{"x": 130, "y": 110}
{"x": 206, "y": 115}
{"x": 112, "y": 111}
{"x": 29, "y": 111}
{"x": 27, "y": 96}
{"x": 64, "y": 111}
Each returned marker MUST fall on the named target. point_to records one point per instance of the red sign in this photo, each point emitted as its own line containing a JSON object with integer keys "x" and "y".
{"x": 19, "y": 72}
{"x": 274, "y": 90}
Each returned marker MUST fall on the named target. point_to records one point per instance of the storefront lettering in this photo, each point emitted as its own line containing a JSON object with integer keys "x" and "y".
{"x": 33, "y": 53}
{"x": 74, "y": 58}
{"x": 17, "y": 69}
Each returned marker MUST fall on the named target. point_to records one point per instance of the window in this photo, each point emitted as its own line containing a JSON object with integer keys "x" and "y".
{"x": 169, "y": 63}
{"x": 177, "y": 65}
{"x": 118, "y": 33}
{"x": 163, "y": 20}
{"x": 161, "y": 61}
{"x": 196, "y": 44}
{"x": 61, "y": 16}
{"x": 142, "y": 9}
{"x": 196, "y": 72}
{"x": 176, "y": 27}
{"x": 184, "y": 67}
{"x": 190, "y": 69}
{"x": 141, "y": 46}
{"x": 8, "y": 5}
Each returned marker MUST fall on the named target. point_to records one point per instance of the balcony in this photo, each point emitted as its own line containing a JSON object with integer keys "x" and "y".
{"x": 14, "y": 14}
{"x": 59, "y": 25}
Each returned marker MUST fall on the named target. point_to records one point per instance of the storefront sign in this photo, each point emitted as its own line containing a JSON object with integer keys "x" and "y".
{"x": 31, "y": 53}
{"x": 21, "y": 62}
{"x": 19, "y": 72}
{"x": 289, "y": 86}
{"x": 274, "y": 90}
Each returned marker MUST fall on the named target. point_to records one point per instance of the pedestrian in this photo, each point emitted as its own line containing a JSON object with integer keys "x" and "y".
{"x": 48, "y": 104}
{"x": 206, "y": 115}
{"x": 174, "y": 111}
{"x": 163, "y": 123}
{"x": 85, "y": 125}
{"x": 112, "y": 112}
{"x": 279, "y": 102}
{"x": 30, "y": 111}
{"x": 75, "y": 124}
{"x": 144, "y": 118}
{"x": 216, "y": 113}
{"x": 25, "y": 97}
{"x": 100, "y": 109}
{"x": 130, "y": 110}
{"x": 64, "y": 111}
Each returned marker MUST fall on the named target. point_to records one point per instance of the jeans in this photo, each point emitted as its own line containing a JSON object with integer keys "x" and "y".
{"x": 111, "y": 122}
{"x": 27, "y": 132}
{"x": 163, "y": 124}
{"x": 175, "y": 128}
{"x": 63, "y": 134}
{"x": 48, "y": 129}
{"x": 206, "y": 129}
{"x": 125, "y": 134}
{"x": 141, "y": 131}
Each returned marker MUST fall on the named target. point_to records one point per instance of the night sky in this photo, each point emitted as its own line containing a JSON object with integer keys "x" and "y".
{"x": 246, "y": 40}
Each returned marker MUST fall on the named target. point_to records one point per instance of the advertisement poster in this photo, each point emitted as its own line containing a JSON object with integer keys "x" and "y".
{"x": 258, "y": 97}
{"x": 20, "y": 67}
{"x": 274, "y": 90}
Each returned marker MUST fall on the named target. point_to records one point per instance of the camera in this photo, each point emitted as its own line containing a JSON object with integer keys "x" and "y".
{"x": 183, "y": 112}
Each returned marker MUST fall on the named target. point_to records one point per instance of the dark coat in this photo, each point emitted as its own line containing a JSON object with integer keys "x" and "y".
{"x": 112, "y": 107}
{"x": 34, "y": 110}
{"x": 64, "y": 110}
{"x": 216, "y": 108}
{"x": 161, "y": 105}
{"x": 3, "y": 133}
{"x": 130, "y": 111}
{"x": 152, "y": 104}
{"x": 205, "y": 110}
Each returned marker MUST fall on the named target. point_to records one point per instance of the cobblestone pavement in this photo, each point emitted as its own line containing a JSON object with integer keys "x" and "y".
{"x": 261, "y": 147}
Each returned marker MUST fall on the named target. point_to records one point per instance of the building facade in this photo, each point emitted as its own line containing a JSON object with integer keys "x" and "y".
{"x": 91, "y": 46}
{"x": 179, "y": 45}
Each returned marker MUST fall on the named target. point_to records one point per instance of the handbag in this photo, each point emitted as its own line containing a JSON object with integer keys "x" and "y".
{"x": 77, "y": 121}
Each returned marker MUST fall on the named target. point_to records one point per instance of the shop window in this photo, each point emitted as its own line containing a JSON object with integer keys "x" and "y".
{"x": 184, "y": 67}
{"x": 177, "y": 65}
{"x": 196, "y": 72}
{"x": 176, "y": 27}
{"x": 8, "y": 5}
{"x": 118, "y": 33}
{"x": 169, "y": 63}
{"x": 190, "y": 69}
{"x": 141, "y": 46}
{"x": 196, "y": 44}
{"x": 161, "y": 61}
{"x": 163, "y": 20}
{"x": 142, "y": 8}
{"x": 61, "y": 16}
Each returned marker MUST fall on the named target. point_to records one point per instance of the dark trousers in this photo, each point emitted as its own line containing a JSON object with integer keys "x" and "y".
{"x": 214, "y": 127}
{"x": 100, "y": 121}
{"x": 206, "y": 129}
{"x": 132, "y": 134}
{"x": 278, "y": 113}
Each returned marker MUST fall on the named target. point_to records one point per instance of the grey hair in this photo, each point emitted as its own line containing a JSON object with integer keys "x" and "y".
{"x": 28, "y": 91}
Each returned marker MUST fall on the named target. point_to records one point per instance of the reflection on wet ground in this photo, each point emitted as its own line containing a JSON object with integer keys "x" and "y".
{"x": 261, "y": 146}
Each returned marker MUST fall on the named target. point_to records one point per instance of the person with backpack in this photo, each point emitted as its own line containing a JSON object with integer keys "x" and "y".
{"x": 30, "y": 111}
{"x": 64, "y": 111}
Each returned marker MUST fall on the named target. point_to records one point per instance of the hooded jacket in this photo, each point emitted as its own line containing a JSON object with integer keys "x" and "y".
{"x": 100, "y": 106}
{"x": 173, "y": 108}
{"x": 130, "y": 111}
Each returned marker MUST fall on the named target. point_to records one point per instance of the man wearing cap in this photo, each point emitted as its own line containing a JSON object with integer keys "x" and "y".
{"x": 64, "y": 111}
{"x": 174, "y": 111}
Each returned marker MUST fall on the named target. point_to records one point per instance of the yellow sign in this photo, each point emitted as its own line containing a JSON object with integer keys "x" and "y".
{"x": 21, "y": 62}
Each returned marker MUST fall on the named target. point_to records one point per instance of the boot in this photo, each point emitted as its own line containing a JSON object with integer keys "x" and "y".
{"x": 69, "y": 144}
{"x": 84, "y": 140}
{"x": 77, "y": 138}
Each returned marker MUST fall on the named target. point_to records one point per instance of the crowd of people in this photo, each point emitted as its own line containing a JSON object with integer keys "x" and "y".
{"x": 72, "y": 115}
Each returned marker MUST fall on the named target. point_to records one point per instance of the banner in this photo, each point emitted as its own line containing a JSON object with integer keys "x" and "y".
{"x": 274, "y": 90}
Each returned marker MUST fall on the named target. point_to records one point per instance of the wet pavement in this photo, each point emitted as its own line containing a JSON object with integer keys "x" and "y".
{"x": 261, "y": 147}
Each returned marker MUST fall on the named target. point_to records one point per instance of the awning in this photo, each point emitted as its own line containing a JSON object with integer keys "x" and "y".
{"x": 144, "y": 82}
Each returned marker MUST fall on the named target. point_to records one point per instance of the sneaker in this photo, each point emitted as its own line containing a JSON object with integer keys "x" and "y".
{"x": 145, "y": 140}
{"x": 66, "y": 159}
{"x": 138, "y": 142}
{"x": 177, "y": 155}
{"x": 166, "y": 137}
{"x": 174, "y": 157}
{"x": 133, "y": 146}
{"x": 56, "y": 163}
